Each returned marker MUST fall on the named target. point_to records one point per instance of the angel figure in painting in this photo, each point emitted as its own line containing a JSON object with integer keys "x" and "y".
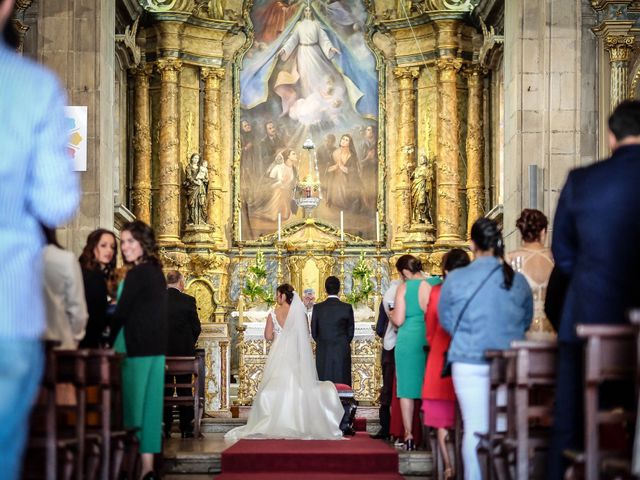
{"x": 282, "y": 172}
{"x": 309, "y": 60}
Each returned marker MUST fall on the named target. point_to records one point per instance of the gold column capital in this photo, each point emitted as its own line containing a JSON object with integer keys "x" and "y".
{"x": 212, "y": 73}
{"x": 449, "y": 64}
{"x": 142, "y": 70}
{"x": 619, "y": 47}
{"x": 168, "y": 65}
{"x": 406, "y": 73}
{"x": 474, "y": 71}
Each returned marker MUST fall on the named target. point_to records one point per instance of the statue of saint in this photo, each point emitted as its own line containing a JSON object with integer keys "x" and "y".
{"x": 421, "y": 185}
{"x": 196, "y": 185}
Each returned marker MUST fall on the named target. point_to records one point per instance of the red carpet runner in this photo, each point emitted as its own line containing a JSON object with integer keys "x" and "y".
{"x": 357, "y": 458}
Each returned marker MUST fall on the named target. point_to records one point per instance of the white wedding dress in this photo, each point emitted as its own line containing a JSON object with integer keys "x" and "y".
{"x": 291, "y": 403}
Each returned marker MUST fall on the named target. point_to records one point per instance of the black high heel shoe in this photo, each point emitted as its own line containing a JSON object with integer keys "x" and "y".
{"x": 409, "y": 444}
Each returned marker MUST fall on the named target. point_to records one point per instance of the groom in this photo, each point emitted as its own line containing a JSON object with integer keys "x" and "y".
{"x": 332, "y": 326}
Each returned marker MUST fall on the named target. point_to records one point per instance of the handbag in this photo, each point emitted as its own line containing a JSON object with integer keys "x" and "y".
{"x": 446, "y": 366}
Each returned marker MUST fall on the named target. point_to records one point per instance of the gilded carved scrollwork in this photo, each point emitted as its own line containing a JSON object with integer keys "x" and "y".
{"x": 168, "y": 224}
{"x": 365, "y": 364}
{"x": 212, "y": 152}
{"x": 447, "y": 176}
{"x": 451, "y": 5}
{"x": 310, "y": 271}
{"x": 202, "y": 291}
{"x": 141, "y": 185}
{"x": 18, "y": 21}
{"x": 406, "y": 77}
{"x": 475, "y": 146}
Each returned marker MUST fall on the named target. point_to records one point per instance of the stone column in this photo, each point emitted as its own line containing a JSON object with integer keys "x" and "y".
{"x": 619, "y": 48}
{"x": 141, "y": 188}
{"x": 475, "y": 146}
{"x": 447, "y": 176}
{"x": 212, "y": 152}
{"x": 406, "y": 146}
{"x": 168, "y": 223}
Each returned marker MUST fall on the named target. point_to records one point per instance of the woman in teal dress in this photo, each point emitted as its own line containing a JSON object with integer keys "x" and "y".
{"x": 140, "y": 326}
{"x": 411, "y": 303}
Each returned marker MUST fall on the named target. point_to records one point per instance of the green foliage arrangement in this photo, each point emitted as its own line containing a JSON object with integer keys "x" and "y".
{"x": 361, "y": 278}
{"x": 255, "y": 285}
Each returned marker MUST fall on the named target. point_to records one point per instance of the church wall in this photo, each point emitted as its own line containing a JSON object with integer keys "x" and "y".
{"x": 545, "y": 82}
{"x": 75, "y": 39}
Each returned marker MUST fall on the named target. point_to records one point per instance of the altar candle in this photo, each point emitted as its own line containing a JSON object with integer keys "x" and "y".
{"x": 377, "y": 226}
{"x": 341, "y": 226}
{"x": 240, "y": 226}
{"x": 279, "y": 226}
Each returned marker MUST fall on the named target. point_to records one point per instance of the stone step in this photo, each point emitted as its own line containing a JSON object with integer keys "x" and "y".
{"x": 203, "y": 456}
{"x": 223, "y": 425}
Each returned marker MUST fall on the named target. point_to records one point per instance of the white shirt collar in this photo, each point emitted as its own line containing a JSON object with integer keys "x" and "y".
{"x": 333, "y": 296}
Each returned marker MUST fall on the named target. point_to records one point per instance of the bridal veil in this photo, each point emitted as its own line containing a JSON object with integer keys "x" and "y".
{"x": 291, "y": 402}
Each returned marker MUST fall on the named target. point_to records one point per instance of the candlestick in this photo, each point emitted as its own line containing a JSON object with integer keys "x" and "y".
{"x": 279, "y": 226}
{"x": 341, "y": 226}
{"x": 377, "y": 226}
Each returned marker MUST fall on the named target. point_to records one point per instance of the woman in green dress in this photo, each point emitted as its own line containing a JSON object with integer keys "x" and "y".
{"x": 140, "y": 326}
{"x": 410, "y": 304}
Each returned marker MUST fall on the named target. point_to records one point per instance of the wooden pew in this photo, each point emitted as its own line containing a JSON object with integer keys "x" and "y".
{"x": 531, "y": 377}
{"x": 489, "y": 442}
{"x": 72, "y": 368}
{"x": 44, "y": 443}
{"x": 610, "y": 354}
{"x": 186, "y": 366}
{"x": 104, "y": 373}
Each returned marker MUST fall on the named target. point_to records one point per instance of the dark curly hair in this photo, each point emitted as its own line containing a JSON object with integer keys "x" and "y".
{"x": 144, "y": 234}
{"x": 531, "y": 224}
{"x": 409, "y": 262}
{"x": 87, "y": 258}
{"x": 287, "y": 290}
{"x": 487, "y": 236}
{"x": 454, "y": 258}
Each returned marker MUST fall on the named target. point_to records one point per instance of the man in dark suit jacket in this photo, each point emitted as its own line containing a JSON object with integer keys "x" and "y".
{"x": 332, "y": 327}
{"x": 184, "y": 329}
{"x": 595, "y": 243}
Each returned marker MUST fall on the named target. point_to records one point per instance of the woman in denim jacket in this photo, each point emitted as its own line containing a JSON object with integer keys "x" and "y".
{"x": 492, "y": 306}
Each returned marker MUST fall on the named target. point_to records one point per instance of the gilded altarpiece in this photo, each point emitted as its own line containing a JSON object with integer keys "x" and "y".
{"x": 195, "y": 94}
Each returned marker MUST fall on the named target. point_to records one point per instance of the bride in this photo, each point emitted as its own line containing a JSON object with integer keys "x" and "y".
{"x": 291, "y": 402}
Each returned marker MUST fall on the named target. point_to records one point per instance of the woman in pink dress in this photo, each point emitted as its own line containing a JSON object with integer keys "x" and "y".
{"x": 438, "y": 395}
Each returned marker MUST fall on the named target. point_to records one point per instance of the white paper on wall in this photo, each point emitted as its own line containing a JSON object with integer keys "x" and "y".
{"x": 76, "y": 118}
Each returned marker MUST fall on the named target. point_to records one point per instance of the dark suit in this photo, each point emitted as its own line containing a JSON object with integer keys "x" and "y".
{"x": 388, "y": 374}
{"x": 95, "y": 293}
{"x": 184, "y": 329}
{"x": 595, "y": 243}
{"x": 332, "y": 327}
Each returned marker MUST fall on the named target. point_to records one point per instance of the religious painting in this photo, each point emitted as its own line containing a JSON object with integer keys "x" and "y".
{"x": 309, "y": 74}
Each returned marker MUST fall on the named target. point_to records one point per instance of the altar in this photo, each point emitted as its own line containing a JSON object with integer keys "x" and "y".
{"x": 253, "y": 350}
